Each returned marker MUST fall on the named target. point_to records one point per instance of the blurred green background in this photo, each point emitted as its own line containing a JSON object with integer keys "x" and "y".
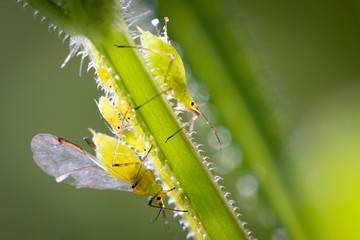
{"x": 303, "y": 59}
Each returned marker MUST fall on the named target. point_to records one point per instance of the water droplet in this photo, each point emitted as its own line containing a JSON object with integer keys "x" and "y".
{"x": 280, "y": 234}
{"x": 231, "y": 158}
{"x": 247, "y": 185}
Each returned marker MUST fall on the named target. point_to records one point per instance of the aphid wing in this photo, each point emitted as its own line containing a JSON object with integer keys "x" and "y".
{"x": 71, "y": 164}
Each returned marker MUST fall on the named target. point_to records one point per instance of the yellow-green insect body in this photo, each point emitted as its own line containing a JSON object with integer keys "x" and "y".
{"x": 129, "y": 167}
{"x": 125, "y": 110}
{"x": 105, "y": 148}
{"x": 71, "y": 164}
{"x": 168, "y": 67}
{"x": 166, "y": 64}
{"x": 111, "y": 115}
{"x": 119, "y": 125}
{"x": 105, "y": 78}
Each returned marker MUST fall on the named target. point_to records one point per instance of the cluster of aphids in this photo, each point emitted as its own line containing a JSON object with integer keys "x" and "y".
{"x": 119, "y": 161}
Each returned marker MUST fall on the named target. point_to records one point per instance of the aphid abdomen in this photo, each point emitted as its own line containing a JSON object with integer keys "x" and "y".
{"x": 170, "y": 73}
{"x": 146, "y": 183}
{"x": 105, "y": 148}
{"x": 109, "y": 112}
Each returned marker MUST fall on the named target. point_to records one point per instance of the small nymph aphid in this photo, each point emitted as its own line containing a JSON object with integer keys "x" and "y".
{"x": 119, "y": 125}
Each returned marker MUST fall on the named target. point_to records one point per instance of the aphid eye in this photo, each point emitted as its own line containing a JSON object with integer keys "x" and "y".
{"x": 192, "y": 103}
{"x": 158, "y": 198}
{"x": 118, "y": 127}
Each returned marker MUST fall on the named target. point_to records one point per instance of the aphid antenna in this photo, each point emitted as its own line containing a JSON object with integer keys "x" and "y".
{"x": 149, "y": 100}
{"x": 212, "y": 128}
{"x": 170, "y": 209}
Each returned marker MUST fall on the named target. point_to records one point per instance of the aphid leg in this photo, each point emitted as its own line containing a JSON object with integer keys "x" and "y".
{"x": 91, "y": 144}
{"x": 124, "y": 164}
{"x": 195, "y": 116}
{"x": 118, "y": 138}
{"x": 191, "y": 128}
{"x": 172, "y": 57}
{"x": 116, "y": 147}
{"x": 137, "y": 174}
{"x": 159, "y": 199}
{"x": 172, "y": 189}
{"x": 196, "y": 113}
{"x": 147, "y": 154}
{"x": 164, "y": 208}
{"x": 169, "y": 89}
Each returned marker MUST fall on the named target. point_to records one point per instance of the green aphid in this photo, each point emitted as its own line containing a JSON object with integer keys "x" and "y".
{"x": 168, "y": 68}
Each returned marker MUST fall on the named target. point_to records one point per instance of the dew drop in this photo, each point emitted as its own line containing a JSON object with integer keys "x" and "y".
{"x": 230, "y": 159}
{"x": 280, "y": 234}
{"x": 247, "y": 185}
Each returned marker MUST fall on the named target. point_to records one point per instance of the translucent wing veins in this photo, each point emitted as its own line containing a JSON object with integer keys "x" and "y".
{"x": 70, "y": 163}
